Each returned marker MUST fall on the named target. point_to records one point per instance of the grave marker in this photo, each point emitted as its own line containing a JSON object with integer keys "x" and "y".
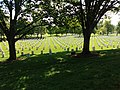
{"x": 117, "y": 46}
{"x": 50, "y": 52}
{"x": 101, "y": 47}
{"x": 93, "y": 48}
{"x": 72, "y": 52}
{"x": 22, "y": 49}
{"x": 36, "y": 48}
{"x": 41, "y": 51}
{"x": 32, "y": 52}
{"x": 18, "y": 51}
{"x": 3, "y": 54}
{"x": 64, "y": 49}
{"x": 68, "y": 49}
{"x": 29, "y": 49}
{"x": 28, "y": 55}
{"x": 113, "y": 46}
{"x": 107, "y": 46}
{"x": 76, "y": 49}
{"x": 22, "y": 53}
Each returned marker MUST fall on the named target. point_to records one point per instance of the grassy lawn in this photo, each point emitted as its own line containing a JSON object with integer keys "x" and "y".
{"x": 62, "y": 72}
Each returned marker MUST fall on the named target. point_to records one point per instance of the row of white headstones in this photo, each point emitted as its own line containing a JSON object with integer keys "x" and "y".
{"x": 64, "y": 43}
{"x": 107, "y": 42}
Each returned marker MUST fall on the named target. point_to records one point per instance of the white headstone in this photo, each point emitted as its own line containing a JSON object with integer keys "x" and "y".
{"x": 72, "y": 52}
{"x": 76, "y": 48}
{"x": 107, "y": 46}
{"x": 41, "y": 51}
{"x": 36, "y": 48}
{"x": 50, "y": 52}
{"x": 3, "y": 54}
{"x": 32, "y": 52}
{"x": 117, "y": 46}
{"x": 68, "y": 49}
{"x": 93, "y": 48}
{"x": 22, "y": 53}
{"x": 18, "y": 51}
{"x": 113, "y": 46}
{"x": 28, "y": 55}
{"x": 29, "y": 49}
{"x": 80, "y": 47}
{"x": 22, "y": 49}
{"x": 64, "y": 49}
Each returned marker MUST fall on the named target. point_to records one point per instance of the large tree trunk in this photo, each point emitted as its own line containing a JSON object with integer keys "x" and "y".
{"x": 86, "y": 35}
{"x": 12, "y": 51}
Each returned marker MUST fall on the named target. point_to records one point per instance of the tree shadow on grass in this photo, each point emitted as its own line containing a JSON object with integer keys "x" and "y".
{"x": 62, "y": 72}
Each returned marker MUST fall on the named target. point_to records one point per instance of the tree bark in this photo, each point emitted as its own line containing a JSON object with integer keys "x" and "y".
{"x": 41, "y": 36}
{"x": 117, "y": 34}
{"x": 37, "y": 35}
{"x": 12, "y": 51}
{"x": 86, "y": 34}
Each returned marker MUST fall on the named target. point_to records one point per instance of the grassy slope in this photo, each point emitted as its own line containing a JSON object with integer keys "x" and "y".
{"x": 61, "y": 72}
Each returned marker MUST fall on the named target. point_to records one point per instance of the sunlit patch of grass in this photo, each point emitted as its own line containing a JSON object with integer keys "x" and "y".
{"x": 51, "y": 72}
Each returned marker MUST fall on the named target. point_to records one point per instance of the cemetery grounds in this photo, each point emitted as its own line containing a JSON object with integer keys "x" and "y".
{"x": 46, "y": 64}
{"x": 58, "y": 44}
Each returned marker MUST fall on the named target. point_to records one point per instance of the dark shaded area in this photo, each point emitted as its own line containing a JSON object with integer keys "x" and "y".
{"x": 62, "y": 72}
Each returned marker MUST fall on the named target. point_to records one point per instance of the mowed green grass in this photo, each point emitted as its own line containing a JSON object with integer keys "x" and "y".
{"x": 62, "y": 72}
{"x": 59, "y": 44}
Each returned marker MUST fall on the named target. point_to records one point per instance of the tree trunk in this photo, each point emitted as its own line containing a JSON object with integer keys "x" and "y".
{"x": 107, "y": 33}
{"x": 117, "y": 34}
{"x": 37, "y": 35}
{"x": 86, "y": 35}
{"x": 41, "y": 36}
{"x": 12, "y": 51}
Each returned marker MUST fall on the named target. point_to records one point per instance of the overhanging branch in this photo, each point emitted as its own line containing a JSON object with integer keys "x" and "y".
{"x": 27, "y": 31}
{"x": 20, "y": 30}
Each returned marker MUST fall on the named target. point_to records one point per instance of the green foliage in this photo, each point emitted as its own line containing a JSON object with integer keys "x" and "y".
{"x": 105, "y": 27}
{"x": 118, "y": 28}
{"x": 108, "y": 27}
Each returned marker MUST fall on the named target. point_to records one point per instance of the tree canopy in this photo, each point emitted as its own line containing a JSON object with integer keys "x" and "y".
{"x": 89, "y": 13}
{"x": 118, "y": 28}
{"x": 19, "y": 17}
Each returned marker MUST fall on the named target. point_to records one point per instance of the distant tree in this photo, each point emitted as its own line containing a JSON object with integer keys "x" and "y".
{"x": 105, "y": 27}
{"x": 73, "y": 24}
{"x": 99, "y": 28}
{"x": 118, "y": 28}
{"x": 108, "y": 27}
{"x": 43, "y": 31}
